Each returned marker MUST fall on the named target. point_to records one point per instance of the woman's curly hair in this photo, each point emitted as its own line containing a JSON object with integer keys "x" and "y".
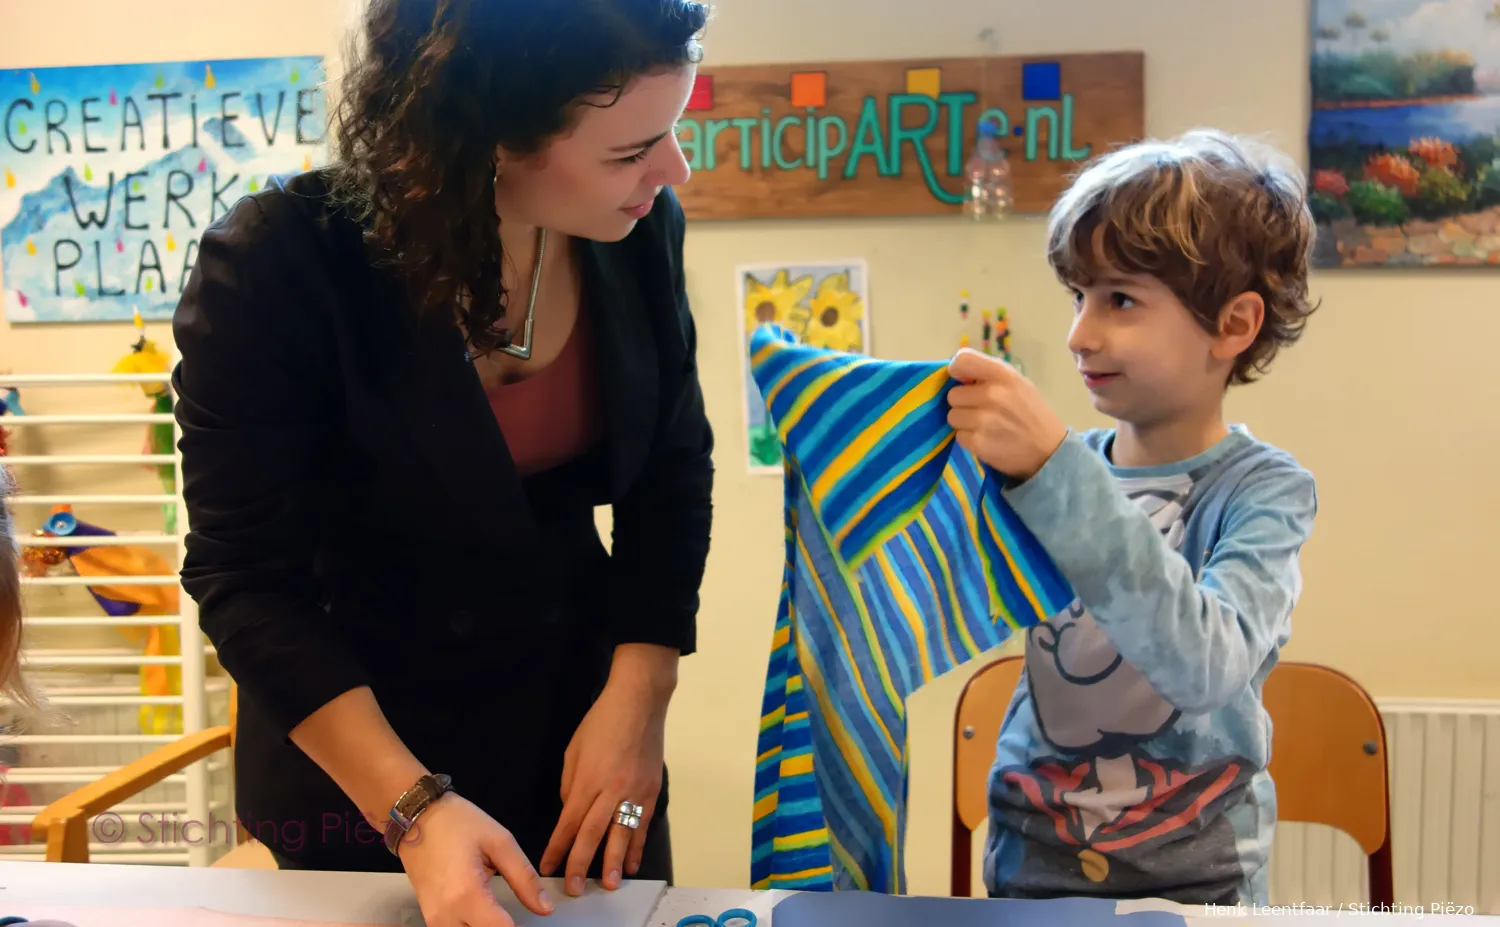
{"x": 437, "y": 85}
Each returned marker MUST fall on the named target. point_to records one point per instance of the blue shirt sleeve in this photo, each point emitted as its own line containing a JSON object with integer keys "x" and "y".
{"x": 1198, "y": 640}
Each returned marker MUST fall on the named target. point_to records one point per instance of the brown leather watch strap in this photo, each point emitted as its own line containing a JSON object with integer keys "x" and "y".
{"x": 411, "y": 804}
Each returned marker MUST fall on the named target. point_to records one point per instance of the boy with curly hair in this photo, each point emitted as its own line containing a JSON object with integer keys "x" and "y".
{"x": 1132, "y": 759}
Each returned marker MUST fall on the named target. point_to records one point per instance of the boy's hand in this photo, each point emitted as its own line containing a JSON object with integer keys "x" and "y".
{"x": 1000, "y": 416}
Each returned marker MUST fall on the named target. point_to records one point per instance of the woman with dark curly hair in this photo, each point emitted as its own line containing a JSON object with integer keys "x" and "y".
{"x": 407, "y": 381}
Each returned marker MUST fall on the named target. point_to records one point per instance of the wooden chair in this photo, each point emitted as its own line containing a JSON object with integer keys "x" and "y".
{"x": 65, "y": 821}
{"x": 1328, "y": 760}
{"x": 981, "y": 708}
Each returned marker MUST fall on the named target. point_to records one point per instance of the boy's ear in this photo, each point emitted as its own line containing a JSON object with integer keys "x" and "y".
{"x": 1239, "y": 322}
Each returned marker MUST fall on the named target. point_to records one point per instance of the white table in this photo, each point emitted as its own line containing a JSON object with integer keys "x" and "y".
{"x": 375, "y": 899}
{"x": 385, "y": 900}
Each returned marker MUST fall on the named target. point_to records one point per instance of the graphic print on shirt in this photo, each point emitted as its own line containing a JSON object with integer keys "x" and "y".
{"x": 1102, "y": 807}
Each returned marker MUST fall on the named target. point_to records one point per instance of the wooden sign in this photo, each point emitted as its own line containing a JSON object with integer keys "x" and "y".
{"x": 891, "y": 138}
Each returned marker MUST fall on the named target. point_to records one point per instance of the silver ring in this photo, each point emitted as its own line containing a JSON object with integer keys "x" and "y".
{"x": 629, "y": 815}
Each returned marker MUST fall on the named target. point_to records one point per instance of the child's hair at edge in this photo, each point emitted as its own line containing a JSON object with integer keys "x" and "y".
{"x": 12, "y": 686}
{"x": 1210, "y": 215}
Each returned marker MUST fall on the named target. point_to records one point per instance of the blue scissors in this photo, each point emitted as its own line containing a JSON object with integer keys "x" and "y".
{"x": 744, "y": 917}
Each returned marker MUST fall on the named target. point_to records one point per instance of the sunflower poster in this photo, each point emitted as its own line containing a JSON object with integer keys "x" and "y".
{"x": 825, "y": 304}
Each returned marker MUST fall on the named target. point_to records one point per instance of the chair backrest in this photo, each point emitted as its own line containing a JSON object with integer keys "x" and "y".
{"x": 981, "y": 708}
{"x": 1328, "y": 760}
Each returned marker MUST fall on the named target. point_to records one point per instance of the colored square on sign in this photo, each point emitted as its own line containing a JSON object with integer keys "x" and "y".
{"x": 702, "y": 96}
{"x": 1041, "y": 80}
{"x": 925, "y": 82}
{"x": 810, "y": 88}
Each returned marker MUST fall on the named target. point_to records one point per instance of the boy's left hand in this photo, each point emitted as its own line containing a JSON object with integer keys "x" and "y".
{"x": 1000, "y": 416}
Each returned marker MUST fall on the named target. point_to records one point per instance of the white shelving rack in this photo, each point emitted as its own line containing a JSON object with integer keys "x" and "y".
{"x": 97, "y": 688}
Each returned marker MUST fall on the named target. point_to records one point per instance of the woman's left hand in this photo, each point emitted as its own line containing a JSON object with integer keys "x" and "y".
{"x": 614, "y": 756}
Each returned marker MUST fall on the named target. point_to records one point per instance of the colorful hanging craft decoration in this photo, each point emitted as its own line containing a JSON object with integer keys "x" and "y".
{"x": 994, "y": 332}
{"x": 146, "y": 357}
{"x": 10, "y": 404}
{"x": 120, "y": 600}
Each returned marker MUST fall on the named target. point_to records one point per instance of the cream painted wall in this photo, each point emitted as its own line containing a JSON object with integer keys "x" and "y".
{"x": 1389, "y": 400}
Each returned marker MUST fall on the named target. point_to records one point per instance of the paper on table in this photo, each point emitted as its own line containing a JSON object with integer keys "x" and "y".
{"x": 159, "y": 917}
{"x": 1136, "y": 905}
{"x": 874, "y": 909}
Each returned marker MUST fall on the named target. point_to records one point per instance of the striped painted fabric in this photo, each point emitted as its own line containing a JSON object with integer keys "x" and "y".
{"x": 902, "y": 562}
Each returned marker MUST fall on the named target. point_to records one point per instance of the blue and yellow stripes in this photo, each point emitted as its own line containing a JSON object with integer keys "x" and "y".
{"x": 902, "y": 562}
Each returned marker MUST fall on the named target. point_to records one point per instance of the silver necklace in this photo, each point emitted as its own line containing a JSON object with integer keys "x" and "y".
{"x": 524, "y": 350}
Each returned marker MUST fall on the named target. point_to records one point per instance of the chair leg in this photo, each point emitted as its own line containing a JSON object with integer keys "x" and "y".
{"x": 68, "y": 840}
{"x": 1382, "y": 877}
{"x": 963, "y": 863}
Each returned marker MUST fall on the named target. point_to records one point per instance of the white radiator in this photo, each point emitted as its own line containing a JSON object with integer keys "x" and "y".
{"x": 1445, "y": 817}
{"x": 73, "y": 421}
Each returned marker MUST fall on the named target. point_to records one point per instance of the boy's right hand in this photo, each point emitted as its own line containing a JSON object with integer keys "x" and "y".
{"x": 450, "y": 854}
{"x": 1000, "y": 417}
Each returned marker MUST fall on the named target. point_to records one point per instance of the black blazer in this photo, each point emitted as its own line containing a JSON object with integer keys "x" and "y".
{"x": 356, "y": 519}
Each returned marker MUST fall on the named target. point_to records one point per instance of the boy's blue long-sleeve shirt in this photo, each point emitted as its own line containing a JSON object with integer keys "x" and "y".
{"x": 1132, "y": 761}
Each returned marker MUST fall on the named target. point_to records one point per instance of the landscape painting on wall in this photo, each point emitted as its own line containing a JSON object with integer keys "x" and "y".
{"x": 1404, "y": 139}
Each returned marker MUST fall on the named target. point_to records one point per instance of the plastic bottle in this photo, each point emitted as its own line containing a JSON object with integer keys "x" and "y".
{"x": 989, "y": 193}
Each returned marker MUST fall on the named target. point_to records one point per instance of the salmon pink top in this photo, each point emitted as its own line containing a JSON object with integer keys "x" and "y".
{"x": 553, "y": 416}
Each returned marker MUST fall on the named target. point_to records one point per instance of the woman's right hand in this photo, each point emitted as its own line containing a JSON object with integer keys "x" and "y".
{"x": 449, "y": 855}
